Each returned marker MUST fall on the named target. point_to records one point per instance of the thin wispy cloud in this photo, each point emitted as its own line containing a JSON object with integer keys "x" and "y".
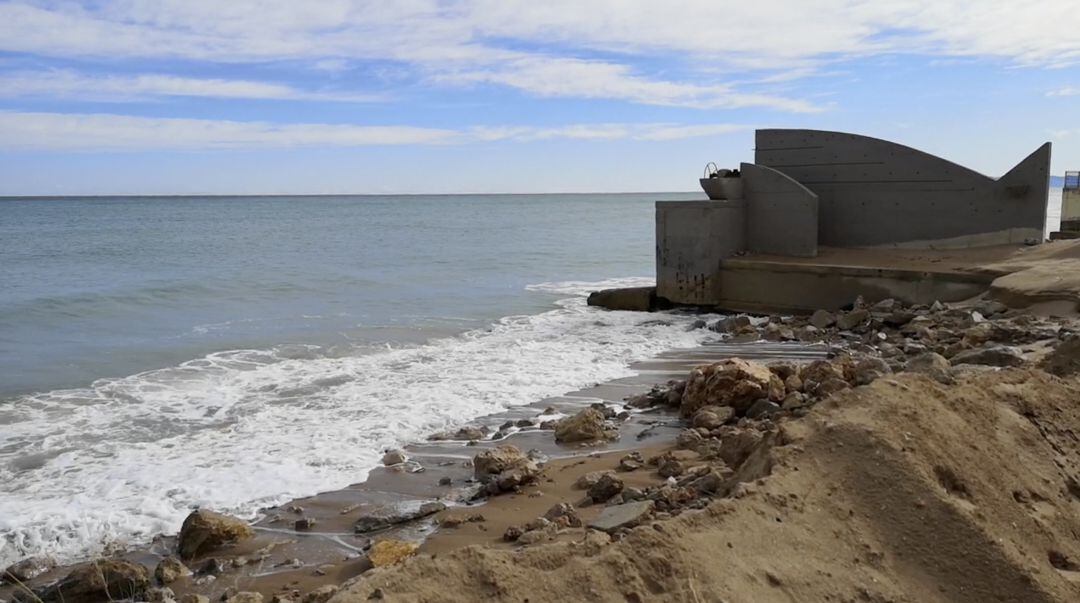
{"x": 82, "y": 132}
{"x": 67, "y": 84}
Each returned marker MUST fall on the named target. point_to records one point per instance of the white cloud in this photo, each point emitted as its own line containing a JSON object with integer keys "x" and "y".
{"x": 481, "y": 41}
{"x": 107, "y": 132}
{"x": 72, "y": 85}
{"x": 595, "y": 79}
{"x": 1065, "y": 91}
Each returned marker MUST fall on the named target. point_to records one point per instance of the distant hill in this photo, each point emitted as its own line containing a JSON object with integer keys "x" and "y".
{"x": 1057, "y": 181}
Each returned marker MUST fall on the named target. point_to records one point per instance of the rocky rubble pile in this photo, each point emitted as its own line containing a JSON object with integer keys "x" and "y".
{"x": 986, "y": 332}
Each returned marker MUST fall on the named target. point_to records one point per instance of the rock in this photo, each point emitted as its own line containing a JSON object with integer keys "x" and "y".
{"x": 589, "y": 479}
{"x": 564, "y": 513}
{"x": 867, "y": 370}
{"x": 999, "y": 355}
{"x": 389, "y": 552}
{"x": 102, "y": 580}
{"x": 626, "y": 515}
{"x": 898, "y": 318}
{"x": 504, "y": 468}
{"x": 304, "y": 524}
{"x": 979, "y": 334}
{"x": 631, "y": 462}
{"x": 733, "y": 382}
{"x": 633, "y": 299}
{"x": 539, "y": 535}
{"x": 808, "y": 333}
{"x": 711, "y": 417}
{"x": 394, "y": 516}
{"x": 710, "y": 483}
{"x": 606, "y": 486}
{"x": 990, "y": 307}
{"x": 245, "y": 597}
{"x": 730, "y": 324}
{"x": 27, "y": 569}
{"x": 394, "y": 457}
{"x": 736, "y": 444}
{"x": 852, "y": 319}
{"x": 762, "y": 408}
{"x": 512, "y": 533}
{"x": 669, "y": 467}
{"x": 160, "y": 595}
{"x": 445, "y": 480}
{"x": 589, "y": 425}
{"x": 169, "y": 570}
{"x": 1064, "y": 360}
{"x": 469, "y": 432}
{"x": 193, "y": 598}
{"x": 822, "y": 319}
{"x": 885, "y": 305}
{"x": 321, "y": 594}
{"x": 204, "y": 531}
{"x": 934, "y": 365}
{"x": 775, "y": 332}
{"x": 688, "y": 439}
{"x": 793, "y": 384}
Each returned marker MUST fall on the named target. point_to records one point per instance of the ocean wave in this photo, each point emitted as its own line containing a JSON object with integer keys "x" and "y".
{"x": 125, "y": 459}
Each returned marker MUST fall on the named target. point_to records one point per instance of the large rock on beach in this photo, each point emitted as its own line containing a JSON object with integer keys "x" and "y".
{"x": 589, "y": 425}
{"x": 504, "y": 468}
{"x": 635, "y": 299}
{"x": 391, "y": 517}
{"x": 734, "y": 382}
{"x": 204, "y": 531}
{"x": 169, "y": 570}
{"x": 101, "y": 580}
{"x": 27, "y": 569}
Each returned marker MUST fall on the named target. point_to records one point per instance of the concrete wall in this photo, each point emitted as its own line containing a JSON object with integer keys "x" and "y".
{"x": 692, "y": 237}
{"x": 749, "y": 285}
{"x": 781, "y": 214}
{"x": 1070, "y": 209}
{"x": 873, "y": 192}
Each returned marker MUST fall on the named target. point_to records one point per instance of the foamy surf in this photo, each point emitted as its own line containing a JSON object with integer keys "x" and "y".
{"x": 125, "y": 459}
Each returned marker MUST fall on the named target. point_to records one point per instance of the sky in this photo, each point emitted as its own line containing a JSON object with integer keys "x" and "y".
{"x": 457, "y": 96}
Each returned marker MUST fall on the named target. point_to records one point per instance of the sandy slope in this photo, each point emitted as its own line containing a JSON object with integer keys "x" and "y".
{"x": 903, "y": 490}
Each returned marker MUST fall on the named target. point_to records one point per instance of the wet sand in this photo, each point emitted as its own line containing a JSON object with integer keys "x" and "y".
{"x": 285, "y": 556}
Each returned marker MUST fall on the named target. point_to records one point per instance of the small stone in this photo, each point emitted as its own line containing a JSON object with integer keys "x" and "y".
{"x": 933, "y": 365}
{"x": 390, "y": 552}
{"x": 711, "y": 417}
{"x": 588, "y": 480}
{"x": 445, "y": 481}
{"x": 564, "y": 510}
{"x": 606, "y": 486}
{"x": 762, "y": 408}
{"x": 730, "y": 324}
{"x": 169, "y": 570}
{"x": 852, "y": 319}
{"x": 245, "y": 597}
{"x": 512, "y": 533}
{"x": 304, "y": 523}
{"x": 321, "y": 594}
{"x": 394, "y": 457}
{"x": 160, "y": 595}
{"x": 626, "y": 515}
{"x": 194, "y": 598}
{"x": 822, "y": 319}
{"x": 990, "y": 356}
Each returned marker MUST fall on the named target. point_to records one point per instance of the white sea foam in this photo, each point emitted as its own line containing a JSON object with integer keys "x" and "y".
{"x": 127, "y": 458}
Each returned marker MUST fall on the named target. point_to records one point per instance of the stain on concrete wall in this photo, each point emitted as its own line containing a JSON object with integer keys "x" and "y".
{"x": 873, "y": 192}
{"x": 692, "y": 238}
{"x": 781, "y": 214}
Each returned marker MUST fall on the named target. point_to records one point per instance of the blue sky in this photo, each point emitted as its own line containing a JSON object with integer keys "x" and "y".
{"x": 419, "y": 96}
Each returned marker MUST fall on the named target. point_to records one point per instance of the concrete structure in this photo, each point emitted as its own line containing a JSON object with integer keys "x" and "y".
{"x": 808, "y": 188}
{"x": 1070, "y": 203}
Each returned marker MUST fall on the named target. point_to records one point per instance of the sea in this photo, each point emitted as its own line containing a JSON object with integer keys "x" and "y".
{"x": 159, "y": 354}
